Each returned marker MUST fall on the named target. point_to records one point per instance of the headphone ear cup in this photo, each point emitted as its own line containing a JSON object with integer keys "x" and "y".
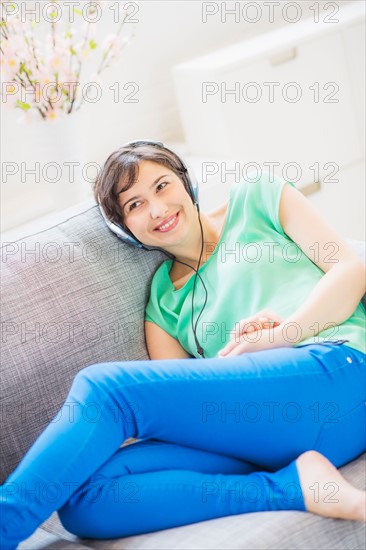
{"x": 119, "y": 231}
{"x": 193, "y": 191}
{"x": 123, "y": 235}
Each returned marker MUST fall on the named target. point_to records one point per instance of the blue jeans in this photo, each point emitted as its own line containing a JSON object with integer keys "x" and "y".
{"x": 218, "y": 437}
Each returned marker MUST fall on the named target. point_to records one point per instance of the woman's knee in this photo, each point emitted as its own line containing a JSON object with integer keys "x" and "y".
{"x": 75, "y": 518}
{"x": 102, "y": 374}
{"x": 82, "y": 512}
{"x": 88, "y": 512}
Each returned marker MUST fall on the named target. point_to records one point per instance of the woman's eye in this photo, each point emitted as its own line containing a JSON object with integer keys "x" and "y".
{"x": 162, "y": 183}
{"x": 132, "y": 205}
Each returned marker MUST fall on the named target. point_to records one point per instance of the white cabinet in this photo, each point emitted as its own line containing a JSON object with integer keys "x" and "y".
{"x": 293, "y": 97}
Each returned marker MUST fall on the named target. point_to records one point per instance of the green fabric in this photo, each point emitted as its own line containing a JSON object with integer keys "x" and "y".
{"x": 255, "y": 265}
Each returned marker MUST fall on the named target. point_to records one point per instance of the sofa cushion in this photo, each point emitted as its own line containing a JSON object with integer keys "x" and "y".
{"x": 72, "y": 295}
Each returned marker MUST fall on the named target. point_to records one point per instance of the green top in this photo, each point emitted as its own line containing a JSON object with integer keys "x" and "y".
{"x": 255, "y": 265}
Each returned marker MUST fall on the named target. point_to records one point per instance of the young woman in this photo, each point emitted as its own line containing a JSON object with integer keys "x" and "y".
{"x": 273, "y": 401}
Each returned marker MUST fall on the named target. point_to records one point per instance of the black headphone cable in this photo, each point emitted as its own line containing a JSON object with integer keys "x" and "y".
{"x": 200, "y": 350}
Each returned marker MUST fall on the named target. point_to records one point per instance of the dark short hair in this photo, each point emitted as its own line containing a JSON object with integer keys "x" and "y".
{"x": 122, "y": 167}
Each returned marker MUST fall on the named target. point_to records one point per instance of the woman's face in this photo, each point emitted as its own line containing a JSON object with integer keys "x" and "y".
{"x": 157, "y": 208}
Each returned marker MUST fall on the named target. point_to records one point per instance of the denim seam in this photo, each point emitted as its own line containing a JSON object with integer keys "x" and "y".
{"x": 223, "y": 378}
{"x": 347, "y": 415}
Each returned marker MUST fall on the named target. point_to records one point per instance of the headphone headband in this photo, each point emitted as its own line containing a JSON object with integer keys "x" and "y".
{"x": 192, "y": 183}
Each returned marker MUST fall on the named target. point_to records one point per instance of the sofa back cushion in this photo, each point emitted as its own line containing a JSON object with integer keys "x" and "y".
{"x": 72, "y": 295}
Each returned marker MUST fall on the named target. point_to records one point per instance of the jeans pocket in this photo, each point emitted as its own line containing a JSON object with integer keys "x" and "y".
{"x": 335, "y": 355}
{"x": 344, "y": 439}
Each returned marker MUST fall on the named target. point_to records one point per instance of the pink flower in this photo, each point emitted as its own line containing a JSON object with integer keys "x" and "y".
{"x": 55, "y": 114}
{"x": 11, "y": 94}
{"x": 111, "y": 46}
{"x": 49, "y": 64}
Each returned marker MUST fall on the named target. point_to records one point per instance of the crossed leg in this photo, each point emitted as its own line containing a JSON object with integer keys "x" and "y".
{"x": 203, "y": 404}
{"x": 152, "y": 485}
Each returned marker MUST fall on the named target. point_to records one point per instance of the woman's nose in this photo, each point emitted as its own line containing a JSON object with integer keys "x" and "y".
{"x": 158, "y": 208}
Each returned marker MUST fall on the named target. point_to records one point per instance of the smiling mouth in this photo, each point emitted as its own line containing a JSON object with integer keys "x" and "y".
{"x": 169, "y": 225}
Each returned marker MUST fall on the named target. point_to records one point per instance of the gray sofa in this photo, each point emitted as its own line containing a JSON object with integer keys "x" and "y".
{"x": 74, "y": 295}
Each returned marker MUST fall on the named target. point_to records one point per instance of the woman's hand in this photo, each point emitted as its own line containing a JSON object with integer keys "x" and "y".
{"x": 263, "y": 323}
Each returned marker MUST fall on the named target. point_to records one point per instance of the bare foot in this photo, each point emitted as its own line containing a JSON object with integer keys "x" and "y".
{"x": 326, "y": 492}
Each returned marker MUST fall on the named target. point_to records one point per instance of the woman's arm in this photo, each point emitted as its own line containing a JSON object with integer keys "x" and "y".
{"x": 336, "y": 295}
{"x": 160, "y": 345}
{"x": 332, "y": 301}
{"x": 339, "y": 291}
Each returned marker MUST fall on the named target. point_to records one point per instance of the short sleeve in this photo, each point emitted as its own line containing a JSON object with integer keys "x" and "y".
{"x": 269, "y": 191}
{"x": 156, "y": 310}
{"x": 150, "y": 312}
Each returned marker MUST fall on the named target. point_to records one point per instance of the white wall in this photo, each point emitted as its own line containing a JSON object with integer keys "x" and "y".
{"x": 167, "y": 33}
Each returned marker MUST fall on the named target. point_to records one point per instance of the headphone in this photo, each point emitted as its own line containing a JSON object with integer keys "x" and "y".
{"x": 191, "y": 185}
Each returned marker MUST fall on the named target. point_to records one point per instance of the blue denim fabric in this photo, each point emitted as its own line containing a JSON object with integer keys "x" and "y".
{"x": 218, "y": 437}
